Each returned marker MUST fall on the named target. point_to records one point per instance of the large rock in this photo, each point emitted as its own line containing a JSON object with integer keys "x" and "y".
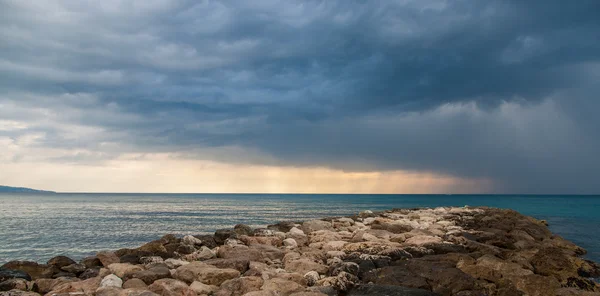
{"x": 134, "y": 284}
{"x": 75, "y": 268}
{"x": 91, "y": 262}
{"x": 14, "y": 284}
{"x": 240, "y": 265}
{"x": 282, "y": 286}
{"x": 243, "y": 229}
{"x": 152, "y": 274}
{"x": 111, "y": 280}
{"x": 18, "y": 293}
{"x": 124, "y": 270}
{"x": 171, "y": 287}
{"x": 302, "y": 266}
{"x": 240, "y": 252}
{"x": 204, "y": 273}
{"x": 222, "y": 235}
{"x": 36, "y": 271}
{"x": 60, "y": 261}
{"x": 240, "y": 286}
{"x": 87, "y": 287}
{"x": 6, "y": 274}
{"x": 554, "y": 262}
{"x": 106, "y": 258}
{"x": 203, "y": 289}
{"x": 314, "y": 225}
{"x": 368, "y": 290}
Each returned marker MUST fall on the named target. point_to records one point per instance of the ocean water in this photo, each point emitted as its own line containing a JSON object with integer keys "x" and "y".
{"x": 40, "y": 226}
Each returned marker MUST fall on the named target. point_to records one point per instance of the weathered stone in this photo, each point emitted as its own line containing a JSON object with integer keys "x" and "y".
{"x": 290, "y": 243}
{"x": 36, "y": 271}
{"x": 223, "y": 234}
{"x": 91, "y": 262}
{"x": 124, "y": 270}
{"x": 204, "y": 273}
{"x": 60, "y": 261}
{"x": 203, "y": 254}
{"x": 6, "y": 274}
{"x": 137, "y": 292}
{"x": 312, "y": 277}
{"x": 368, "y": 290}
{"x": 240, "y": 286}
{"x": 302, "y": 266}
{"x": 18, "y": 293}
{"x": 87, "y": 287}
{"x": 75, "y": 268}
{"x": 175, "y": 263}
{"x": 243, "y": 229}
{"x": 284, "y": 287}
{"x": 135, "y": 284}
{"x": 314, "y": 225}
{"x": 13, "y": 284}
{"x": 152, "y": 274}
{"x": 240, "y": 265}
{"x": 191, "y": 241}
{"x": 108, "y": 291}
{"x": 90, "y": 273}
{"x": 106, "y": 258}
{"x": 151, "y": 259}
{"x": 111, "y": 280}
{"x": 203, "y": 289}
{"x": 171, "y": 287}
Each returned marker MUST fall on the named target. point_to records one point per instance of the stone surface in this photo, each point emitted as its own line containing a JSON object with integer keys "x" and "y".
{"x": 14, "y": 284}
{"x": 282, "y": 286}
{"x": 204, "y": 273}
{"x": 203, "y": 289}
{"x": 107, "y": 258}
{"x": 240, "y": 286}
{"x": 152, "y": 274}
{"x": 124, "y": 270}
{"x": 33, "y": 269}
{"x": 134, "y": 284}
{"x": 60, "y": 261}
{"x": 111, "y": 280}
{"x": 171, "y": 287}
{"x": 6, "y": 274}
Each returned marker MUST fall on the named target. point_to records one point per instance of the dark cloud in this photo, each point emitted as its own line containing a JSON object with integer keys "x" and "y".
{"x": 503, "y": 90}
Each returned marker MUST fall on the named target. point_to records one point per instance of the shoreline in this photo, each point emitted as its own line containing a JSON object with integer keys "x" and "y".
{"x": 442, "y": 251}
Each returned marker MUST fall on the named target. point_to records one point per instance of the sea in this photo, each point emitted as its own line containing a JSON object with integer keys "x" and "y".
{"x": 39, "y": 226}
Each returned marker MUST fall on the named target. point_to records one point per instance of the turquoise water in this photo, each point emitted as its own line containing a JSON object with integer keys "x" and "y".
{"x": 38, "y": 227}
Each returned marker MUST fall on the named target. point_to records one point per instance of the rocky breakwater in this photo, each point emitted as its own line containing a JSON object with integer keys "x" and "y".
{"x": 442, "y": 251}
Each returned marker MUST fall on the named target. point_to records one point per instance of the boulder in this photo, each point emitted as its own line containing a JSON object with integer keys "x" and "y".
{"x": 151, "y": 259}
{"x": 89, "y": 273}
{"x": 312, "y": 277}
{"x": 87, "y": 287}
{"x": 207, "y": 240}
{"x": 18, "y": 293}
{"x": 191, "y": 241}
{"x": 175, "y": 263}
{"x": 137, "y": 292}
{"x": 171, "y": 287}
{"x": 537, "y": 285}
{"x": 106, "y": 258}
{"x": 243, "y": 229}
{"x": 108, "y": 291}
{"x": 134, "y": 284}
{"x": 152, "y": 274}
{"x": 124, "y": 270}
{"x": 36, "y": 271}
{"x": 111, "y": 280}
{"x": 44, "y": 286}
{"x": 314, "y": 225}
{"x": 92, "y": 261}
{"x": 75, "y": 268}
{"x": 296, "y": 231}
{"x": 240, "y": 265}
{"x": 154, "y": 248}
{"x": 6, "y": 274}
{"x": 204, "y": 273}
{"x": 223, "y": 234}
{"x": 203, "y": 254}
{"x": 60, "y": 261}
{"x": 240, "y": 286}
{"x": 203, "y": 289}
{"x": 302, "y": 266}
{"x": 14, "y": 284}
{"x": 282, "y": 286}
{"x": 368, "y": 290}
{"x": 290, "y": 243}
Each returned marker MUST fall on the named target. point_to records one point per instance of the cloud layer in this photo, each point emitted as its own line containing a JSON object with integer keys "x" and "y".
{"x": 494, "y": 90}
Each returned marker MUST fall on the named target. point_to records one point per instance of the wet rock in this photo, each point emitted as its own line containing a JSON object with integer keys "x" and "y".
{"x": 90, "y": 273}
{"x": 204, "y": 273}
{"x": 223, "y": 234}
{"x": 171, "y": 287}
{"x": 243, "y": 229}
{"x": 6, "y": 274}
{"x": 75, "y": 268}
{"x": 36, "y": 271}
{"x": 60, "y": 261}
{"x": 106, "y": 258}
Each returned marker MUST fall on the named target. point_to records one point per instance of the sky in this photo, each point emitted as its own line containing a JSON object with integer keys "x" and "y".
{"x": 348, "y": 96}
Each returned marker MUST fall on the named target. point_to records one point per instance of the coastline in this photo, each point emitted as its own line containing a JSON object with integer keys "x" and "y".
{"x": 441, "y": 251}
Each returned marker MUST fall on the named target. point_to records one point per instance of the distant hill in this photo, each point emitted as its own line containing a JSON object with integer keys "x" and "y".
{"x": 5, "y": 189}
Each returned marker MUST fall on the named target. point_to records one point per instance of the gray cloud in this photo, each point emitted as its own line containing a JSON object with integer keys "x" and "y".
{"x": 497, "y": 89}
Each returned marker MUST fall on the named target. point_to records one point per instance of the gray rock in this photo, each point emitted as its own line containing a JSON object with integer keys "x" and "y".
{"x": 382, "y": 290}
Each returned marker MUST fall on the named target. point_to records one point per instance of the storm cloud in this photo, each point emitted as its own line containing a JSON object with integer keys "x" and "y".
{"x": 499, "y": 90}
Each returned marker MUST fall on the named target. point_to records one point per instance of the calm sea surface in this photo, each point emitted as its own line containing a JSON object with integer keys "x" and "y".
{"x": 40, "y": 226}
